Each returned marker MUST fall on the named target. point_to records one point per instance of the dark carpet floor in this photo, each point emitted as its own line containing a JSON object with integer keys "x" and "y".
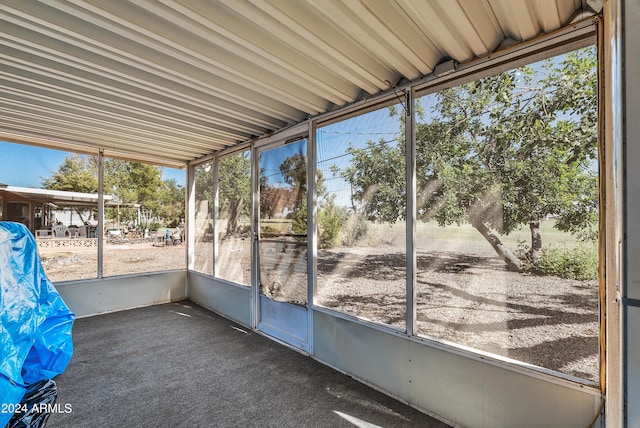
{"x": 178, "y": 364}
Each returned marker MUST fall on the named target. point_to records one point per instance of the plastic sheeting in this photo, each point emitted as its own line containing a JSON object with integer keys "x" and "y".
{"x": 32, "y": 412}
{"x": 35, "y": 323}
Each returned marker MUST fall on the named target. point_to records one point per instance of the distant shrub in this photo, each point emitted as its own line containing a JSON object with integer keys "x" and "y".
{"x": 331, "y": 220}
{"x": 243, "y": 230}
{"x": 579, "y": 263}
{"x": 355, "y": 231}
{"x": 268, "y": 229}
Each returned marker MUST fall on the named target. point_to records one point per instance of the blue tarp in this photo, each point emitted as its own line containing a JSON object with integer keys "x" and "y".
{"x": 35, "y": 323}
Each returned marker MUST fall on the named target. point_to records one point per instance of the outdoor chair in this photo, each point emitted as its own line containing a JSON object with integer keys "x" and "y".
{"x": 60, "y": 231}
{"x": 160, "y": 238}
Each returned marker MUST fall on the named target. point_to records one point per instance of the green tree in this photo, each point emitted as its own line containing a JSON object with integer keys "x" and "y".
{"x": 499, "y": 152}
{"x": 172, "y": 202}
{"x": 235, "y": 188}
{"x": 77, "y": 173}
{"x": 204, "y": 183}
{"x": 378, "y": 191}
{"x": 294, "y": 173}
{"x": 331, "y": 219}
{"x": 204, "y": 189}
{"x": 132, "y": 183}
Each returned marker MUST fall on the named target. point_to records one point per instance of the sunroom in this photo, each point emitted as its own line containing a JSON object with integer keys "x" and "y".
{"x": 430, "y": 197}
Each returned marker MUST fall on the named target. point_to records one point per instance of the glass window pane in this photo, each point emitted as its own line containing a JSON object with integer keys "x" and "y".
{"x": 283, "y": 223}
{"x": 203, "y": 219}
{"x": 362, "y": 217}
{"x": 507, "y": 191}
{"x": 55, "y": 194}
{"x": 143, "y": 218}
{"x": 234, "y": 218}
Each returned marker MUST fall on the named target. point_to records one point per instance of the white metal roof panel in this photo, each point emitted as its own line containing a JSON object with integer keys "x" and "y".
{"x": 174, "y": 80}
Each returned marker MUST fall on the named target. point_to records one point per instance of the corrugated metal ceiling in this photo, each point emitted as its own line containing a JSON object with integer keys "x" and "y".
{"x": 174, "y": 80}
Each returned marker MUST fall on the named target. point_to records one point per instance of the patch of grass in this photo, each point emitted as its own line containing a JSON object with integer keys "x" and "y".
{"x": 465, "y": 231}
{"x": 275, "y": 225}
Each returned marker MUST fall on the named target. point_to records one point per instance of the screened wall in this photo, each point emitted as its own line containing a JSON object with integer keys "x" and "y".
{"x": 472, "y": 221}
{"x": 135, "y": 225}
{"x": 454, "y": 253}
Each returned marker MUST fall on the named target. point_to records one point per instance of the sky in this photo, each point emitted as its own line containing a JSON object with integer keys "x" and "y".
{"x": 26, "y": 166}
{"x": 333, "y": 141}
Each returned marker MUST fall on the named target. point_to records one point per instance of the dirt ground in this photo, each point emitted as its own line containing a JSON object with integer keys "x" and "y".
{"x": 464, "y": 297}
{"x": 67, "y": 264}
{"x": 473, "y": 301}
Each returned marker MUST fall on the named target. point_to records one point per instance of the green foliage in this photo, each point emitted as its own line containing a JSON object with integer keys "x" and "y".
{"x": 498, "y": 152}
{"x": 273, "y": 200}
{"x": 294, "y": 173}
{"x": 234, "y": 184}
{"x": 378, "y": 188}
{"x": 579, "y": 263}
{"x": 131, "y": 185}
{"x": 514, "y": 147}
{"x": 234, "y": 181}
{"x": 172, "y": 207}
{"x": 77, "y": 173}
{"x": 299, "y": 217}
{"x": 132, "y": 182}
{"x": 204, "y": 183}
{"x": 331, "y": 220}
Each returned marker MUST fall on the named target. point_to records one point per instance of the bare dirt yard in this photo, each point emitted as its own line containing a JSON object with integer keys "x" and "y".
{"x": 464, "y": 296}
{"x": 473, "y": 301}
{"x": 65, "y": 264}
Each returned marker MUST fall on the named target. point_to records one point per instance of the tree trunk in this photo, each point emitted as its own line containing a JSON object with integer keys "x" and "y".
{"x": 536, "y": 242}
{"x": 513, "y": 262}
{"x": 234, "y": 214}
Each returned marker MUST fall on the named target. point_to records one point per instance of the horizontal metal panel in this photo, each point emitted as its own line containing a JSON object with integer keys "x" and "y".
{"x": 99, "y": 296}
{"x": 464, "y": 391}
{"x": 231, "y": 301}
{"x": 176, "y": 80}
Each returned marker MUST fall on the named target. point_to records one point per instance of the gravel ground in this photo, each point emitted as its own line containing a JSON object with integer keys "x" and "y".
{"x": 69, "y": 264}
{"x": 468, "y": 299}
{"x": 465, "y": 298}
{"x": 473, "y": 301}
